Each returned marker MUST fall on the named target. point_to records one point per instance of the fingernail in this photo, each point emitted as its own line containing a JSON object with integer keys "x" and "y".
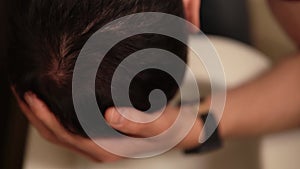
{"x": 115, "y": 117}
{"x": 28, "y": 97}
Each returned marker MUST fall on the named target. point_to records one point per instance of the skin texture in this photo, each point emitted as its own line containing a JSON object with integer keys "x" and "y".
{"x": 268, "y": 104}
{"x": 272, "y": 100}
{"x": 49, "y": 128}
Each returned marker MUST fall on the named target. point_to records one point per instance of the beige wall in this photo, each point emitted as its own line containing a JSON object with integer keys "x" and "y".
{"x": 267, "y": 34}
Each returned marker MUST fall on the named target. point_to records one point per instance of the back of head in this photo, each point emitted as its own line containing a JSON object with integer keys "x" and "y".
{"x": 49, "y": 34}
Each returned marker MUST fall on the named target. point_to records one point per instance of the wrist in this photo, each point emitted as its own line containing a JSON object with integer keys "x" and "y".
{"x": 211, "y": 137}
{"x": 192, "y": 139}
{"x": 204, "y": 105}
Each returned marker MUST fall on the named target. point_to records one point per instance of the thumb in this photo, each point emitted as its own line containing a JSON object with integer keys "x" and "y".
{"x": 133, "y": 122}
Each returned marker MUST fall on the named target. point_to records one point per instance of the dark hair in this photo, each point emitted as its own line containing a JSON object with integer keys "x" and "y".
{"x": 47, "y": 36}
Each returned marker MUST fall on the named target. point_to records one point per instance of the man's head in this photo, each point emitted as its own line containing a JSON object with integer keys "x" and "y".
{"x": 48, "y": 37}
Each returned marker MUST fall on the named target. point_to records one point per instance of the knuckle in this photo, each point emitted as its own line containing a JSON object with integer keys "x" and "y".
{"x": 130, "y": 127}
{"x": 136, "y": 129}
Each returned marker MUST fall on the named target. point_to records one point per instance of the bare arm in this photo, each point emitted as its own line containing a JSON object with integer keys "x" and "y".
{"x": 271, "y": 103}
{"x": 268, "y": 104}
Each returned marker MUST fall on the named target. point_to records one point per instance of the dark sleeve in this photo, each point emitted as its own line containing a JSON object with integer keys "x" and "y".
{"x": 226, "y": 18}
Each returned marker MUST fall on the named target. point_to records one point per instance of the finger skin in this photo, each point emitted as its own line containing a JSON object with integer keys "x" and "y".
{"x": 62, "y": 137}
{"x": 140, "y": 129}
{"x": 48, "y": 135}
{"x": 154, "y": 128}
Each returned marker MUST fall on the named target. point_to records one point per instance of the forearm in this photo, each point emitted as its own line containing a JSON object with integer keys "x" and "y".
{"x": 269, "y": 104}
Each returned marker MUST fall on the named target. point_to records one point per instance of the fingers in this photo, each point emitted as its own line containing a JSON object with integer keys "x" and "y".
{"x": 117, "y": 121}
{"x": 46, "y": 117}
{"x": 48, "y": 126}
{"x": 45, "y": 121}
{"x": 76, "y": 143}
{"x": 34, "y": 120}
{"x": 96, "y": 153}
{"x": 121, "y": 123}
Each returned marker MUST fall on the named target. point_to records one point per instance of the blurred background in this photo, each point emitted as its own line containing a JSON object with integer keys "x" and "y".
{"x": 241, "y": 29}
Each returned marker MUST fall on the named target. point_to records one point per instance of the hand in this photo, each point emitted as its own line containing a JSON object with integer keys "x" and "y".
{"x": 145, "y": 130}
{"x": 192, "y": 11}
{"x": 48, "y": 126}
